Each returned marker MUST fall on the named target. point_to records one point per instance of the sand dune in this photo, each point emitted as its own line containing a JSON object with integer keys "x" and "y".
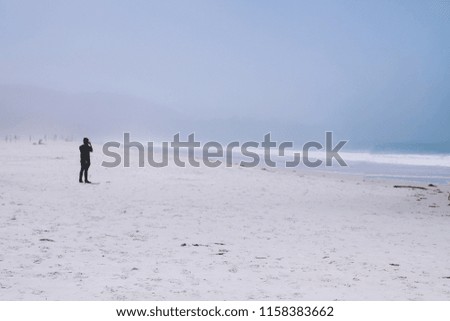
{"x": 213, "y": 234}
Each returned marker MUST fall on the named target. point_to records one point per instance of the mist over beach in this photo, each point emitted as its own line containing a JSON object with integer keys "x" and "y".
{"x": 374, "y": 73}
{"x": 361, "y": 82}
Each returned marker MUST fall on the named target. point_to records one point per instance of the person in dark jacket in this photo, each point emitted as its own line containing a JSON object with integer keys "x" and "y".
{"x": 85, "y": 159}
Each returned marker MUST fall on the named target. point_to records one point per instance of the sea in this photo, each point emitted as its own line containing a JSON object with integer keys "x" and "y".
{"x": 424, "y": 168}
{"x": 421, "y": 168}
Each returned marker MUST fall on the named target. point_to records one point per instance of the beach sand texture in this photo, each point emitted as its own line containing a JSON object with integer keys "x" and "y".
{"x": 213, "y": 234}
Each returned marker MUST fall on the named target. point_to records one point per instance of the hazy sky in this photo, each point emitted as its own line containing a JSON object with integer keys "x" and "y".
{"x": 365, "y": 68}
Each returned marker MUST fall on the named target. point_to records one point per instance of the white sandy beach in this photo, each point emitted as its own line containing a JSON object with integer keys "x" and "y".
{"x": 213, "y": 234}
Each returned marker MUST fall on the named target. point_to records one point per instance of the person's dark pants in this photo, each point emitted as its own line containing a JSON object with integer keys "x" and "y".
{"x": 84, "y": 170}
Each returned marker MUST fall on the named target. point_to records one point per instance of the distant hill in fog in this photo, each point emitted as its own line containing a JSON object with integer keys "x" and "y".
{"x": 37, "y": 111}
{"x": 28, "y": 110}
{"x": 32, "y": 110}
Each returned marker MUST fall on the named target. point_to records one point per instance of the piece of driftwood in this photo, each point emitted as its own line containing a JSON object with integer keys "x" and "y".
{"x": 410, "y": 186}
